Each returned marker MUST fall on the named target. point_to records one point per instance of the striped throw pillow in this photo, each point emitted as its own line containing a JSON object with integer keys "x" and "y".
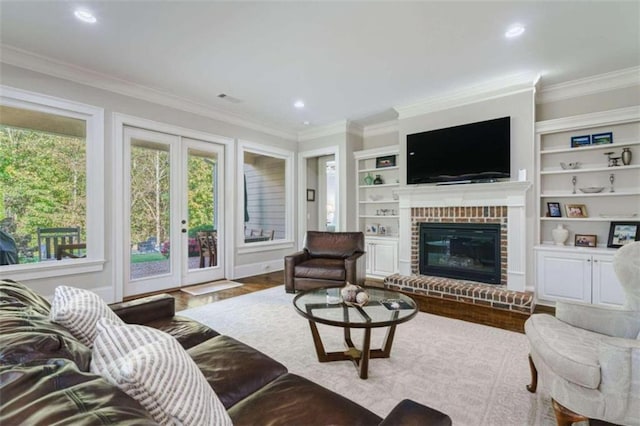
{"x": 79, "y": 310}
{"x": 151, "y": 367}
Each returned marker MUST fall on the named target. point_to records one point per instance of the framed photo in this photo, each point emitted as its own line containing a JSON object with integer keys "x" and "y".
{"x": 311, "y": 194}
{"x": 621, "y": 233}
{"x": 372, "y": 229}
{"x": 553, "y": 210}
{"x": 585, "y": 240}
{"x": 386, "y": 161}
{"x": 602, "y": 138}
{"x": 382, "y": 230}
{"x": 576, "y": 210}
{"x": 577, "y": 141}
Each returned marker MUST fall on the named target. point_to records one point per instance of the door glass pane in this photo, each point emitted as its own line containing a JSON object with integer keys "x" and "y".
{"x": 150, "y": 201}
{"x": 203, "y": 209}
{"x": 331, "y": 196}
{"x": 43, "y": 183}
{"x": 265, "y": 200}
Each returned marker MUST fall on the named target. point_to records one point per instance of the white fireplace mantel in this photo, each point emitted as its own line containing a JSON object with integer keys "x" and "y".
{"x": 511, "y": 194}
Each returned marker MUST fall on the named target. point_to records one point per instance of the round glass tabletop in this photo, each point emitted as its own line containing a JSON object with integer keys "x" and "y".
{"x": 385, "y": 308}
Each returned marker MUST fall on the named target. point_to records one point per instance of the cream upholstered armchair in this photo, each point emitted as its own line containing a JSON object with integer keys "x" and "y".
{"x": 588, "y": 356}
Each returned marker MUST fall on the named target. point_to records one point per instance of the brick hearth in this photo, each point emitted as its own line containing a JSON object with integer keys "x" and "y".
{"x": 494, "y": 296}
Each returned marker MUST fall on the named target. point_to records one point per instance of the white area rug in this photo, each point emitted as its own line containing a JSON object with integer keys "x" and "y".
{"x": 474, "y": 373}
{"x": 198, "y": 290}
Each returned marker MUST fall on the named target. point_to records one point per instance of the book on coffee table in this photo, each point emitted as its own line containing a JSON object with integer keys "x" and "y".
{"x": 395, "y": 304}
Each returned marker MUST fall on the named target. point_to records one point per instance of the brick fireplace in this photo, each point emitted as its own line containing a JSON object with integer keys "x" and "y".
{"x": 502, "y": 203}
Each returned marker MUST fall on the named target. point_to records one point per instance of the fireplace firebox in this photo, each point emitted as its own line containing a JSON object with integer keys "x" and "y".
{"x": 468, "y": 251}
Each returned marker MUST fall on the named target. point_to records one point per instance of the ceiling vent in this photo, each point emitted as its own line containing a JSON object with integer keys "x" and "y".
{"x": 229, "y": 98}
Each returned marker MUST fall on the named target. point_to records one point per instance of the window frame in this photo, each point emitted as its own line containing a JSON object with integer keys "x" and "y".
{"x": 94, "y": 118}
{"x": 279, "y": 153}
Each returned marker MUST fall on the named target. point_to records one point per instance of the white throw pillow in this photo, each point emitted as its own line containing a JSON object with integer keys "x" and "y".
{"x": 78, "y": 311}
{"x": 151, "y": 367}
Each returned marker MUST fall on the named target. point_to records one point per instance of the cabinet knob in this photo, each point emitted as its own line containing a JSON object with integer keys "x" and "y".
{"x": 589, "y": 260}
{"x": 595, "y": 260}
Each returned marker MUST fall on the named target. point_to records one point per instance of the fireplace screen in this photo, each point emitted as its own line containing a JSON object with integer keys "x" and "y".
{"x": 468, "y": 251}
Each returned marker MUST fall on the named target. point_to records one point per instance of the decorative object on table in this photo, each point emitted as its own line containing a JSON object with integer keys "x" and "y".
{"x": 612, "y": 161}
{"x": 622, "y": 233}
{"x": 382, "y": 230}
{"x": 592, "y": 189}
{"x": 553, "y": 210}
{"x": 602, "y": 138}
{"x": 386, "y": 161}
{"x": 311, "y": 194}
{"x": 576, "y": 210}
{"x": 577, "y": 141}
{"x": 570, "y": 166}
{"x": 574, "y": 180}
{"x": 371, "y": 229}
{"x": 333, "y": 296}
{"x": 354, "y": 295}
{"x": 395, "y": 304}
{"x": 612, "y": 179}
{"x": 582, "y": 240}
{"x": 626, "y": 156}
{"x": 378, "y": 180}
{"x": 559, "y": 234}
{"x": 368, "y": 179}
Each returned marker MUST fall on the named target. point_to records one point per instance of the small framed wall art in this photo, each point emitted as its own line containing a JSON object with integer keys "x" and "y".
{"x": 372, "y": 229}
{"x": 621, "y": 233}
{"x": 311, "y": 194}
{"x": 576, "y": 210}
{"x": 577, "y": 141}
{"x": 553, "y": 210}
{"x": 602, "y": 138}
{"x": 386, "y": 161}
{"x": 586, "y": 240}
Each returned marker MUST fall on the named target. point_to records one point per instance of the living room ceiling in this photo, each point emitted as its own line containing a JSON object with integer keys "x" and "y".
{"x": 345, "y": 60}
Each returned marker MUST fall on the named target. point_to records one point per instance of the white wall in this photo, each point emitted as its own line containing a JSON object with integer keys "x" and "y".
{"x": 115, "y": 103}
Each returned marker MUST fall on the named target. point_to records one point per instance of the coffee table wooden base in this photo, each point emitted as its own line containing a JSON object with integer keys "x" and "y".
{"x": 359, "y": 357}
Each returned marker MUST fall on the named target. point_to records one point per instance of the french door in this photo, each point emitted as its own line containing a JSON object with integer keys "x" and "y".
{"x": 174, "y": 193}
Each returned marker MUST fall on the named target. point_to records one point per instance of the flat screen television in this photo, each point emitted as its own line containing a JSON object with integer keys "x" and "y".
{"x": 474, "y": 152}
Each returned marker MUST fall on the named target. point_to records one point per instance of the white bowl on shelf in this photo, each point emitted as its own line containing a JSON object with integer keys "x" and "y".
{"x": 592, "y": 189}
{"x": 570, "y": 166}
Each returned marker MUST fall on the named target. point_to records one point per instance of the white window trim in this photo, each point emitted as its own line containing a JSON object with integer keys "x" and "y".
{"x": 287, "y": 156}
{"x": 94, "y": 117}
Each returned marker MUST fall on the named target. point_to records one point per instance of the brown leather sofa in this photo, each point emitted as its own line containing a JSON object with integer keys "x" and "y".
{"x": 329, "y": 259}
{"x": 45, "y": 378}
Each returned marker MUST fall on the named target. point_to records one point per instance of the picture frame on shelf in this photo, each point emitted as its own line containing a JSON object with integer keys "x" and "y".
{"x": 586, "y": 240}
{"x": 386, "y": 161}
{"x": 372, "y": 229}
{"x": 622, "y": 233}
{"x": 576, "y": 210}
{"x": 553, "y": 210}
{"x": 602, "y": 138}
{"x": 311, "y": 194}
{"x": 578, "y": 141}
{"x": 382, "y": 230}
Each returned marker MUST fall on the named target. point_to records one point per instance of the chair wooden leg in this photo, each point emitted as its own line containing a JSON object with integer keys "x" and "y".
{"x": 534, "y": 376}
{"x": 564, "y": 416}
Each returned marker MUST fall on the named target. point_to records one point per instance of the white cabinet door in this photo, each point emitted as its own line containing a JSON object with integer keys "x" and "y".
{"x": 384, "y": 258}
{"x": 564, "y": 276}
{"x": 607, "y": 290}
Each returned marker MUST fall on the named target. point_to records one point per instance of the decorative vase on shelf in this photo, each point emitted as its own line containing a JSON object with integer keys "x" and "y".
{"x": 378, "y": 180}
{"x": 368, "y": 179}
{"x": 626, "y": 156}
{"x": 560, "y": 235}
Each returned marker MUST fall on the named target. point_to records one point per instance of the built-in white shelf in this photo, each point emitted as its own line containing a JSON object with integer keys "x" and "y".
{"x": 377, "y": 216}
{"x": 604, "y": 193}
{"x": 379, "y": 169}
{"x": 588, "y": 219}
{"x": 380, "y": 202}
{"x": 589, "y": 169}
{"x": 382, "y": 185}
{"x": 589, "y": 148}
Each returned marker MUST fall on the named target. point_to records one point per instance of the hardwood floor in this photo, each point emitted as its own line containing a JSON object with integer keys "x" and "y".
{"x": 491, "y": 317}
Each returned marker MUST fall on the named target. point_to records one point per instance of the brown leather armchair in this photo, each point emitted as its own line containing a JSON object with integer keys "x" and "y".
{"x": 329, "y": 259}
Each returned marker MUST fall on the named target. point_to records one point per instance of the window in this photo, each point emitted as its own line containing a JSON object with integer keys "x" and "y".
{"x": 47, "y": 145}
{"x": 266, "y": 206}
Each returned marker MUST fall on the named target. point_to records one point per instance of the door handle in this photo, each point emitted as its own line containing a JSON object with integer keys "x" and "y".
{"x": 184, "y": 231}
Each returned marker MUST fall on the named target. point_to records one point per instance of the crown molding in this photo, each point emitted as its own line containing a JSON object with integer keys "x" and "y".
{"x": 380, "y": 128}
{"x": 45, "y": 65}
{"x": 602, "y": 118}
{"x": 586, "y": 86}
{"x": 492, "y": 89}
{"x": 341, "y": 127}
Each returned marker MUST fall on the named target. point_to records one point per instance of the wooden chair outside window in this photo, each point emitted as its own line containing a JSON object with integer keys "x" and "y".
{"x": 208, "y": 244}
{"x": 53, "y": 243}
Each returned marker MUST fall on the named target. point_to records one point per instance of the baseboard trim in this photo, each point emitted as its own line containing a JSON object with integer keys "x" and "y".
{"x": 248, "y": 270}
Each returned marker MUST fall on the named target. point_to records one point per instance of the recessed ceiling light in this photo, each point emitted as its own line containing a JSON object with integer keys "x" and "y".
{"x": 298, "y": 104}
{"x": 514, "y": 30}
{"x": 85, "y": 16}
{"x": 306, "y": 123}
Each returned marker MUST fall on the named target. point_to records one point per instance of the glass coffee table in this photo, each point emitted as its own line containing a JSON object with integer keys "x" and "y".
{"x": 386, "y": 308}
